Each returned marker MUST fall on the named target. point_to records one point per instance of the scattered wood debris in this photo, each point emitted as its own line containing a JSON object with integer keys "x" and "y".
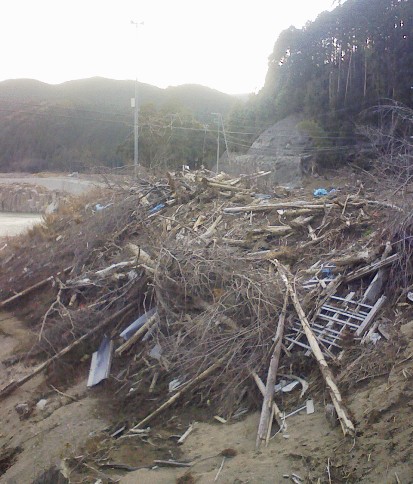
{"x": 190, "y": 280}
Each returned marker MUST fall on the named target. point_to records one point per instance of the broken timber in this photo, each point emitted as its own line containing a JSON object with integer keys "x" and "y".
{"x": 276, "y": 412}
{"x": 275, "y": 206}
{"x": 346, "y": 424}
{"x": 30, "y": 289}
{"x": 178, "y": 394}
{"x": 264, "y": 427}
{"x": 359, "y": 273}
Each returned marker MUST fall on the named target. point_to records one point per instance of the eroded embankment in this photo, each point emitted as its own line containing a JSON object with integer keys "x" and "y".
{"x": 26, "y": 198}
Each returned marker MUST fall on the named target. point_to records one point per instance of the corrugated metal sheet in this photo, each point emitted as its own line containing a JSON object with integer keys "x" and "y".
{"x": 101, "y": 362}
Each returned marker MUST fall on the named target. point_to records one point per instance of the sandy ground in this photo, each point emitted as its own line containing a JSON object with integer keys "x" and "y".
{"x": 47, "y": 435}
{"x": 72, "y": 425}
{"x": 283, "y": 457}
{"x": 16, "y": 223}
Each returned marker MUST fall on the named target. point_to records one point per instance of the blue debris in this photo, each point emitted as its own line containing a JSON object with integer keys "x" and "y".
{"x": 101, "y": 362}
{"x": 132, "y": 328}
{"x": 320, "y": 192}
{"x": 327, "y": 272}
{"x": 158, "y": 207}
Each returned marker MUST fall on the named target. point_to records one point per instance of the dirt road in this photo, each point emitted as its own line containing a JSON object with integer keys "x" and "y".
{"x": 73, "y": 185}
{"x": 16, "y": 223}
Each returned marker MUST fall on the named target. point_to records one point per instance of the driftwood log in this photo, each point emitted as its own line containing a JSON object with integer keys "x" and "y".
{"x": 278, "y": 206}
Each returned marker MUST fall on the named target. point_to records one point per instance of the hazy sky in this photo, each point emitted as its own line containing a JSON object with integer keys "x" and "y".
{"x": 223, "y": 44}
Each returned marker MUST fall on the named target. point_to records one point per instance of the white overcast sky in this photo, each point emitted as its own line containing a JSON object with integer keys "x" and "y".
{"x": 223, "y": 44}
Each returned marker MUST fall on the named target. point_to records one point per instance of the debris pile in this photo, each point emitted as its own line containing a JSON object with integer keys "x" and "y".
{"x": 200, "y": 284}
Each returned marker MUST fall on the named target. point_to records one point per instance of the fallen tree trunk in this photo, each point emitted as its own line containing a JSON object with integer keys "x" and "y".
{"x": 346, "y": 424}
{"x": 16, "y": 384}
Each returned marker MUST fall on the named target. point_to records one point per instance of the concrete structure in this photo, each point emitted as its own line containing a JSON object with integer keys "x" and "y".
{"x": 281, "y": 149}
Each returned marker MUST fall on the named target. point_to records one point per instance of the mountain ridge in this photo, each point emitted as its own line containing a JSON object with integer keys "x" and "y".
{"x": 83, "y": 122}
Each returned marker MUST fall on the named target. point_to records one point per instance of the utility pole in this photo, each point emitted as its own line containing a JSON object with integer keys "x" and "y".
{"x": 225, "y": 138}
{"x": 136, "y": 113}
{"x": 218, "y": 120}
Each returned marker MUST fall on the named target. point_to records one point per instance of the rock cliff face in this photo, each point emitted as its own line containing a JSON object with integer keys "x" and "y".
{"x": 25, "y": 198}
{"x": 280, "y": 149}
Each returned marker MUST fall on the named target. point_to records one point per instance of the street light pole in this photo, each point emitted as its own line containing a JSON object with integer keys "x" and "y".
{"x": 136, "y": 114}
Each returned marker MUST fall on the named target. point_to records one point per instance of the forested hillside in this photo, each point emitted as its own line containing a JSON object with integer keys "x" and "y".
{"x": 88, "y": 123}
{"x": 357, "y": 56}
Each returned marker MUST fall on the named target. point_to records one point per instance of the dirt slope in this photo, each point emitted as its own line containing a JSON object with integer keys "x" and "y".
{"x": 381, "y": 451}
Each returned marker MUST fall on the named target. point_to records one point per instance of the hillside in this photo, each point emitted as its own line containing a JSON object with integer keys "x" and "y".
{"x": 355, "y": 57}
{"x": 83, "y": 123}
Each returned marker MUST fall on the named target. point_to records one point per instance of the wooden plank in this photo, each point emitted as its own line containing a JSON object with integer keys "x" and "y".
{"x": 359, "y": 273}
{"x": 264, "y": 427}
{"x": 366, "y": 323}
